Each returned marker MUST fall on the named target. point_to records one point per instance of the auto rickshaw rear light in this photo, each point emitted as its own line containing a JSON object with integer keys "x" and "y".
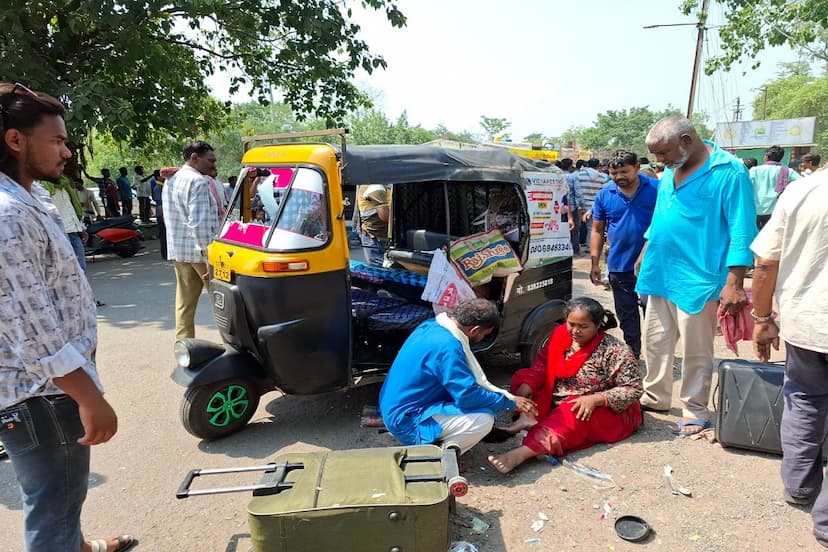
{"x": 285, "y": 266}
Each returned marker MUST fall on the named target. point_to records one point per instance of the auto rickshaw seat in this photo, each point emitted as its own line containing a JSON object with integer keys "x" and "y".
{"x": 426, "y": 240}
{"x": 364, "y": 303}
{"x": 402, "y": 317}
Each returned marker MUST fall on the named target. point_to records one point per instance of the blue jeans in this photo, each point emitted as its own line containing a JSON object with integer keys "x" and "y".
{"x": 77, "y": 247}
{"x": 40, "y": 435}
{"x": 374, "y": 249}
{"x": 575, "y": 233}
{"x": 626, "y": 307}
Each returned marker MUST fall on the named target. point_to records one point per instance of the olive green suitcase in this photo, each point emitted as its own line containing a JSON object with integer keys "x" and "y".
{"x": 394, "y": 499}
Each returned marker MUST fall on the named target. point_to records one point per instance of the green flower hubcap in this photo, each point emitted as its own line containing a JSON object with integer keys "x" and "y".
{"x": 227, "y": 406}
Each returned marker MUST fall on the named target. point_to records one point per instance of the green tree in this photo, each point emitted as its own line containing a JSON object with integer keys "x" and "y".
{"x": 536, "y": 139}
{"x": 135, "y": 68}
{"x": 752, "y": 25}
{"x": 628, "y": 128}
{"x": 440, "y": 131}
{"x": 494, "y": 126}
{"x": 797, "y": 93}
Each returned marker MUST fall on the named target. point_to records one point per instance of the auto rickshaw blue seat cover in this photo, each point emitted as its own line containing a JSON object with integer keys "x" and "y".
{"x": 382, "y": 275}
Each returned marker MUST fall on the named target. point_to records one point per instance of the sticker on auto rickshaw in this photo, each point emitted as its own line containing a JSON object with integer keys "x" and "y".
{"x": 549, "y": 237}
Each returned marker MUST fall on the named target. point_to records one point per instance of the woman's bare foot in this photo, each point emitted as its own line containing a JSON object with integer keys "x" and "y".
{"x": 506, "y": 462}
{"x": 525, "y": 421}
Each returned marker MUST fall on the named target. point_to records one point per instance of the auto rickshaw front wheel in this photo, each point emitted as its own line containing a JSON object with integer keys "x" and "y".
{"x": 218, "y": 409}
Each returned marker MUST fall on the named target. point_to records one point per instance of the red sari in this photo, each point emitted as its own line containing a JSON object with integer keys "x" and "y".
{"x": 559, "y": 375}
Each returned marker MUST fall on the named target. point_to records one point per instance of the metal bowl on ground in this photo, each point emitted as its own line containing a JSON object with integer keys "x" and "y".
{"x": 632, "y": 528}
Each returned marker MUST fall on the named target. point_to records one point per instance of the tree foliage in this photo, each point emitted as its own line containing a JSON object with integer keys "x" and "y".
{"x": 626, "y": 129}
{"x": 366, "y": 126}
{"x": 752, "y": 25}
{"x": 135, "y": 69}
{"x": 797, "y": 93}
{"x": 494, "y": 126}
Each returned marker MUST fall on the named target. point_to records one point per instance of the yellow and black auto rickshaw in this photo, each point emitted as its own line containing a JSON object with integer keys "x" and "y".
{"x": 297, "y": 313}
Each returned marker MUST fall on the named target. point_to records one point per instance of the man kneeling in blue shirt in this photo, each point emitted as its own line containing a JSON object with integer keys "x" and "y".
{"x": 623, "y": 208}
{"x": 436, "y": 390}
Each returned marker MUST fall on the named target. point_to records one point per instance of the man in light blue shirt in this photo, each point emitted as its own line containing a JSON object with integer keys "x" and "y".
{"x": 769, "y": 180}
{"x": 697, "y": 251}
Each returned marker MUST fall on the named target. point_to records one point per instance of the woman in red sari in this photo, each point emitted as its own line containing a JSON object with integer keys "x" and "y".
{"x": 586, "y": 384}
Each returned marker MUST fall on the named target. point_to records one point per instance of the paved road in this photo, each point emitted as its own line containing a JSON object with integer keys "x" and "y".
{"x": 135, "y": 476}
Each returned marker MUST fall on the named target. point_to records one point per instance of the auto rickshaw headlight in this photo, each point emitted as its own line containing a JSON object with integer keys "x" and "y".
{"x": 182, "y": 354}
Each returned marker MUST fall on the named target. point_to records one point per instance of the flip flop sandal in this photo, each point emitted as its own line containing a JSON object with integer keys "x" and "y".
{"x": 697, "y": 425}
{"x": 125, "y": 542}
{"x": 2, "y": 451}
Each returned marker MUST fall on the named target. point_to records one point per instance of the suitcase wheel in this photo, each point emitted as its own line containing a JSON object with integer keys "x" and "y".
{"x": 458, "y": 486}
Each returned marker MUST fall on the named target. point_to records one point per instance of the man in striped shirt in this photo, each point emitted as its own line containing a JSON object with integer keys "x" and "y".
{"x": 591, "y": 181}
{"x": 191, "y": 219}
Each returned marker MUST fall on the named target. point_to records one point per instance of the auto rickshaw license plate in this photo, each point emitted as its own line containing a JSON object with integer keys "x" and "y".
{"x": 221, "y": 273}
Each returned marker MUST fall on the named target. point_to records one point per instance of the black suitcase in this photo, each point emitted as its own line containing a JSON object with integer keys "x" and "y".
{"x": 750, "y": 404}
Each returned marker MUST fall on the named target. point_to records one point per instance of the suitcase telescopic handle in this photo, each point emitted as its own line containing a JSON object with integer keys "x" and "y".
{"x": 273, "y": 481}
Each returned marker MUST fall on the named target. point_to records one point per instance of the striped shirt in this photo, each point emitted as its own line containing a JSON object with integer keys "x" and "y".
{"x": 591, "y": 183}
{"x": 48, "y": 327}
{"x": 190, "y": 216}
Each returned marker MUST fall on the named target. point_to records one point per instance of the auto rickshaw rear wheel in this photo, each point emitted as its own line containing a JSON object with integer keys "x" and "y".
{"x": 218, "y": 409}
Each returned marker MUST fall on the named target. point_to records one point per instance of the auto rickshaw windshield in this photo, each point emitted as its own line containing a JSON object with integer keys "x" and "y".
{"x": 280, "y": 209}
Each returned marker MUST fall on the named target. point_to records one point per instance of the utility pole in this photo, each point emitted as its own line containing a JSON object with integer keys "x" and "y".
{"x": 701, "y": 26}
{"x": 697, "y": 63}
{"x": 764, "y": 91}
{"x": 737, "y": 110}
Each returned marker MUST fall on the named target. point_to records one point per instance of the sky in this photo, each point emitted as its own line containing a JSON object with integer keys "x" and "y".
{"x": 546, "y": 66}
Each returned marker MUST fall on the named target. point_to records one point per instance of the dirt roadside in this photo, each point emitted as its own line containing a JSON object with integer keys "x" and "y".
{"x": 736, "y": 503}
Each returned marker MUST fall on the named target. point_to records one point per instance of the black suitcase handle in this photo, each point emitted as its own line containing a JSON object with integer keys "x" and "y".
{"x": 273, "y": 481}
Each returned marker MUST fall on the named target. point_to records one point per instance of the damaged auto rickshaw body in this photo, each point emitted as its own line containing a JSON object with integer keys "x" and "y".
{"x": 297, "y": 313}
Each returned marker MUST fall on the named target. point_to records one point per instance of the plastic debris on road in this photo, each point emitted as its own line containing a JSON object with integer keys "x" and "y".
{"x": 532, "y": 541}
{"x": 462, "y": 546}
{"x": 607, "y": 510}
{"x": 591, "y": 473}
{"x": 675, "y": 489}
{"x": 479, "y": 526}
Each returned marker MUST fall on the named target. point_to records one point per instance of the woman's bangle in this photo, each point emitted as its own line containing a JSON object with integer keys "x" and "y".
{"x": 603, "y": 396}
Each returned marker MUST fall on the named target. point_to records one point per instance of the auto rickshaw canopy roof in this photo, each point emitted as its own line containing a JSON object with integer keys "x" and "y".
{"x": 401, "y": 164}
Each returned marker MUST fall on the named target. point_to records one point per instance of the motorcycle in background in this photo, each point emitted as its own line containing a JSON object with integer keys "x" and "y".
{"x": 119, "y": 235}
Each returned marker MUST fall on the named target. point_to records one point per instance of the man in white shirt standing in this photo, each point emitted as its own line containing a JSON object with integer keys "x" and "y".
{"x": 793, "y": 260}
{"x": 143, "y": 190}
{"x": 52, "y": 408}
{"x": 71, "y": 212}
{"x": 191, "y": 219}
{"x": 89, "y": 203}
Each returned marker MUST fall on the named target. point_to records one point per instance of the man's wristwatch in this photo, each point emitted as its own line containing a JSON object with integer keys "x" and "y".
{"x": 757, "y": 318}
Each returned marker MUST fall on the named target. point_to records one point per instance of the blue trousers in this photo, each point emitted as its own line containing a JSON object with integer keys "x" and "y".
{"x": 374, "y": 249}
{"x": 803, "y": 429}
{"x": 52, "y": 469}
{"x": 626, "y": 307}
{"x": 77, "y": 247}
{"x": 575, "y": 233}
